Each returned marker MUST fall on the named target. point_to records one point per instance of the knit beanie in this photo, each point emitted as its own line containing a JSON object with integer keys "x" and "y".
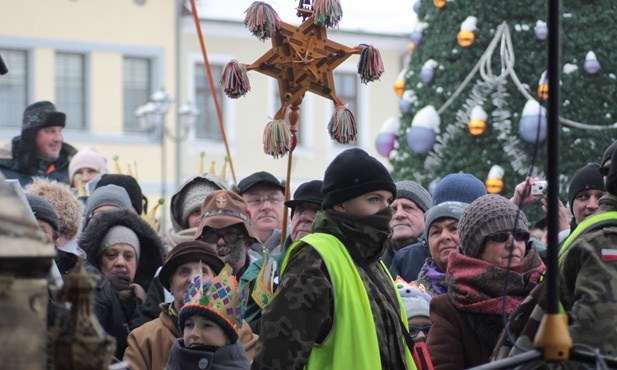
{"x": 351, "y": 174}
{"x": 194, "y": 197}
{"x": 42, "y": 114}
{"x": 461, "y": 187}
{"x": 119, "y": 234}
{"x": 43, "y": 211}
{"x": 608, "y": 153}
{"x": 451, "y": 210}
{"x": 585, "y": 178}
{"x": 487, "y": 215}
{"x": 414, "y": 192}
{"x": 108, "y": 195}
{"x": 88, "y": 157}
{"x": 130, "y": 185}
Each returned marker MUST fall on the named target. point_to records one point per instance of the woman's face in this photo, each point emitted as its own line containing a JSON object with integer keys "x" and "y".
{"x": 442, "y": 240}
{"x": 121, "y": 256}
{"x": 499, "y": 246}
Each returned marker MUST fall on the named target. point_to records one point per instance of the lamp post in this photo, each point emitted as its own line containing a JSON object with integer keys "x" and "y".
{"x": 151, "y": 117}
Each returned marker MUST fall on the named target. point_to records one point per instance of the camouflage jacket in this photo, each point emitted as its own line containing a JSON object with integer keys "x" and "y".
{"x": 301, "y": 315}
{"x": 587, "y": 291}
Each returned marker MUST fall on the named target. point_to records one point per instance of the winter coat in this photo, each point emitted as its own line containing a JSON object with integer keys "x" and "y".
{"x": 14, "y": 166}
{"x": 459, "y": 346}
{"x": 408, "y": 261}
{"x": 150, "y": 344}
{"x": 151, "y": 257}
{"x": 228, "y": 357}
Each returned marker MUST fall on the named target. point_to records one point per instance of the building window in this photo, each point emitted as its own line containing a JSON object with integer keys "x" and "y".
{"x": 13, "y": 87}
{"x": 71, "y": 89}
{"x": 137, "y": 87}
{"x": 346, "y": 85}
{"x": 207, "y": 126}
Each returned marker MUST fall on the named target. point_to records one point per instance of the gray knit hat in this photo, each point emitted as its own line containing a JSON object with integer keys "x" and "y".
{"x": 415, "y": 192}
{"x": 194, "y": 197}
{"x": 43, "y": 211}
{"x": 461, "y": 187}
{"x": 443, "y": 210}
{"x": 108, "y": 195}
{"x": 487, "y": 215}
{"x": 119, "y": 234}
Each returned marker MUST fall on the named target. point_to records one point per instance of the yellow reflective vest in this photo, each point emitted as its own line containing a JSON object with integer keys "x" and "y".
{"x": 352, "y": 342}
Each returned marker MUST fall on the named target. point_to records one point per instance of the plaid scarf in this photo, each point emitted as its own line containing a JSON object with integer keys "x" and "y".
{"x": 477, "y": 286}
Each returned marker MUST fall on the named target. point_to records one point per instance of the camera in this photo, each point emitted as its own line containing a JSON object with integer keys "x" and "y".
{"x": 539, "y": 188}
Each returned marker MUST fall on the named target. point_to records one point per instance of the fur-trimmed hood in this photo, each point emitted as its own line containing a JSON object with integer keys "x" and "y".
{"x": 152, "y": 254}
{"x": 69, "y": 209}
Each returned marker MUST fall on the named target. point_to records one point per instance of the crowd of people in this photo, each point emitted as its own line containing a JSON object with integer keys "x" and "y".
{"x": 370, "y": 270}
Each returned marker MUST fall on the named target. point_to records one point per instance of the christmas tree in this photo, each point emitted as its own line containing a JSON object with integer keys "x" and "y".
{"x": 492, "y": 55}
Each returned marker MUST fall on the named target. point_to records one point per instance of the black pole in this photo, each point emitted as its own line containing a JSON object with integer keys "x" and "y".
{"x": 554, "y": 101}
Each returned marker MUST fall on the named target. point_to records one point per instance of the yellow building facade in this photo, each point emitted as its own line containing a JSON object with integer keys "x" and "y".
{"x": 97, "y": 60}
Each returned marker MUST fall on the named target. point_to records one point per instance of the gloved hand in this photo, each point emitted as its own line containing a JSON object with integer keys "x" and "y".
{"x": 139, "y": 292}
{"x": 119, "y": 279}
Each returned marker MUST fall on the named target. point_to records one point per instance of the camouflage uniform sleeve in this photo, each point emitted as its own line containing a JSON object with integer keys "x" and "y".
{"x": 299, "y": 315}
{"x": 588, "y": 290}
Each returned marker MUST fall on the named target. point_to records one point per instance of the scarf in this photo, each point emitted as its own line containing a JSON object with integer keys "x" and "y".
{"x": 368, "y": 234}
{"x": 433, "y": 279}
{"x": 476, "y": 286}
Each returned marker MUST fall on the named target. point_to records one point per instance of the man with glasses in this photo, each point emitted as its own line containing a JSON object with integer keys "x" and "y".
{"x": 265, "y": 196}
{"x": 225, "y": 224}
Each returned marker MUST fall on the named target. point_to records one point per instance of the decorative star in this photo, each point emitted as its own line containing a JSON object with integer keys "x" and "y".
{"x": 302, "y": 59}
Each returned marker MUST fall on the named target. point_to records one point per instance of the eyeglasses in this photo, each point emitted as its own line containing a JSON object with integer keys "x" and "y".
{"x": 519, "y": 236}
{"x": 414, "y": 330}
{"x": 228, "y": 238}
{"x": 274, "y": 199}
{"x": 604, "y": 170}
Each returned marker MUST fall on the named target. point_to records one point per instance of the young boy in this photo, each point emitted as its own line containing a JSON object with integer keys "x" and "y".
{"x": 209, "y": 320}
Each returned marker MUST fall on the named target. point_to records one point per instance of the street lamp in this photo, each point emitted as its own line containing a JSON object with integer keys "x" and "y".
{"x": 151, "y": 117}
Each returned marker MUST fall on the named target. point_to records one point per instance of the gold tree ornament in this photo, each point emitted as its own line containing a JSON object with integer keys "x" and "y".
{"x": 494, "y": 180}
{"x": 439, "y": 3}
{"x": 467, "y": 35}
{"x": 302, "y": 59}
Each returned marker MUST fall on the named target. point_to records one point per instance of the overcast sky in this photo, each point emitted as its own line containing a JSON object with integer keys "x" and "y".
{"x": 393, "y": 17}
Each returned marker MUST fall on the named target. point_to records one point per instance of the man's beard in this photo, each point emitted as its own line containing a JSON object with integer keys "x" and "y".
{"x": 234, "y": 252}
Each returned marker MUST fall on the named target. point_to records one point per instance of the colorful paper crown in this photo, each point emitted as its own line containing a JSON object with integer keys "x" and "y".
{"x": 402, "y": 285}
{"x": 218, "y": 300}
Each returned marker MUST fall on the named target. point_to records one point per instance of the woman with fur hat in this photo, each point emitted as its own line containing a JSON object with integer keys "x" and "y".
{"x": 127, "y": 252}
{"x": 68, "y": 208}
{"x": 494, "y": 250}
{"x": 337, "y": 306}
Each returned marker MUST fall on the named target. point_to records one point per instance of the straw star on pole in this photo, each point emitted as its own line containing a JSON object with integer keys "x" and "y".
{"x": 302, "y": 59}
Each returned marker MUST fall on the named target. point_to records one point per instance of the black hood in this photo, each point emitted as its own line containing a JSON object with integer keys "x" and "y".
{"x": 152, "y": 254}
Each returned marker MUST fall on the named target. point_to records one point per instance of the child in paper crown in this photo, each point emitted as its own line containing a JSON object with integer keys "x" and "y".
{"x": 209, "y": 321}
{"x": 416, "y": 301}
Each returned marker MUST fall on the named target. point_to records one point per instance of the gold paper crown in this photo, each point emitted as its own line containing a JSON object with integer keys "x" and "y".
{"x": 400, "y": 283}
{"x": 150, "y": 217}
{"x": 212, "y": 170}
{"x": 219, "y": 299}
{"x": 264, "y": 285}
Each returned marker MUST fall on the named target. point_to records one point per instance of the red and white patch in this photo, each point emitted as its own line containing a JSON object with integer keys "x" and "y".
{"x": 609, "y": 254}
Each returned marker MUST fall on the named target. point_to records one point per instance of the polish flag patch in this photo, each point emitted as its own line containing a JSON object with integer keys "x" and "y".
{"x": 609, "y": 254}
